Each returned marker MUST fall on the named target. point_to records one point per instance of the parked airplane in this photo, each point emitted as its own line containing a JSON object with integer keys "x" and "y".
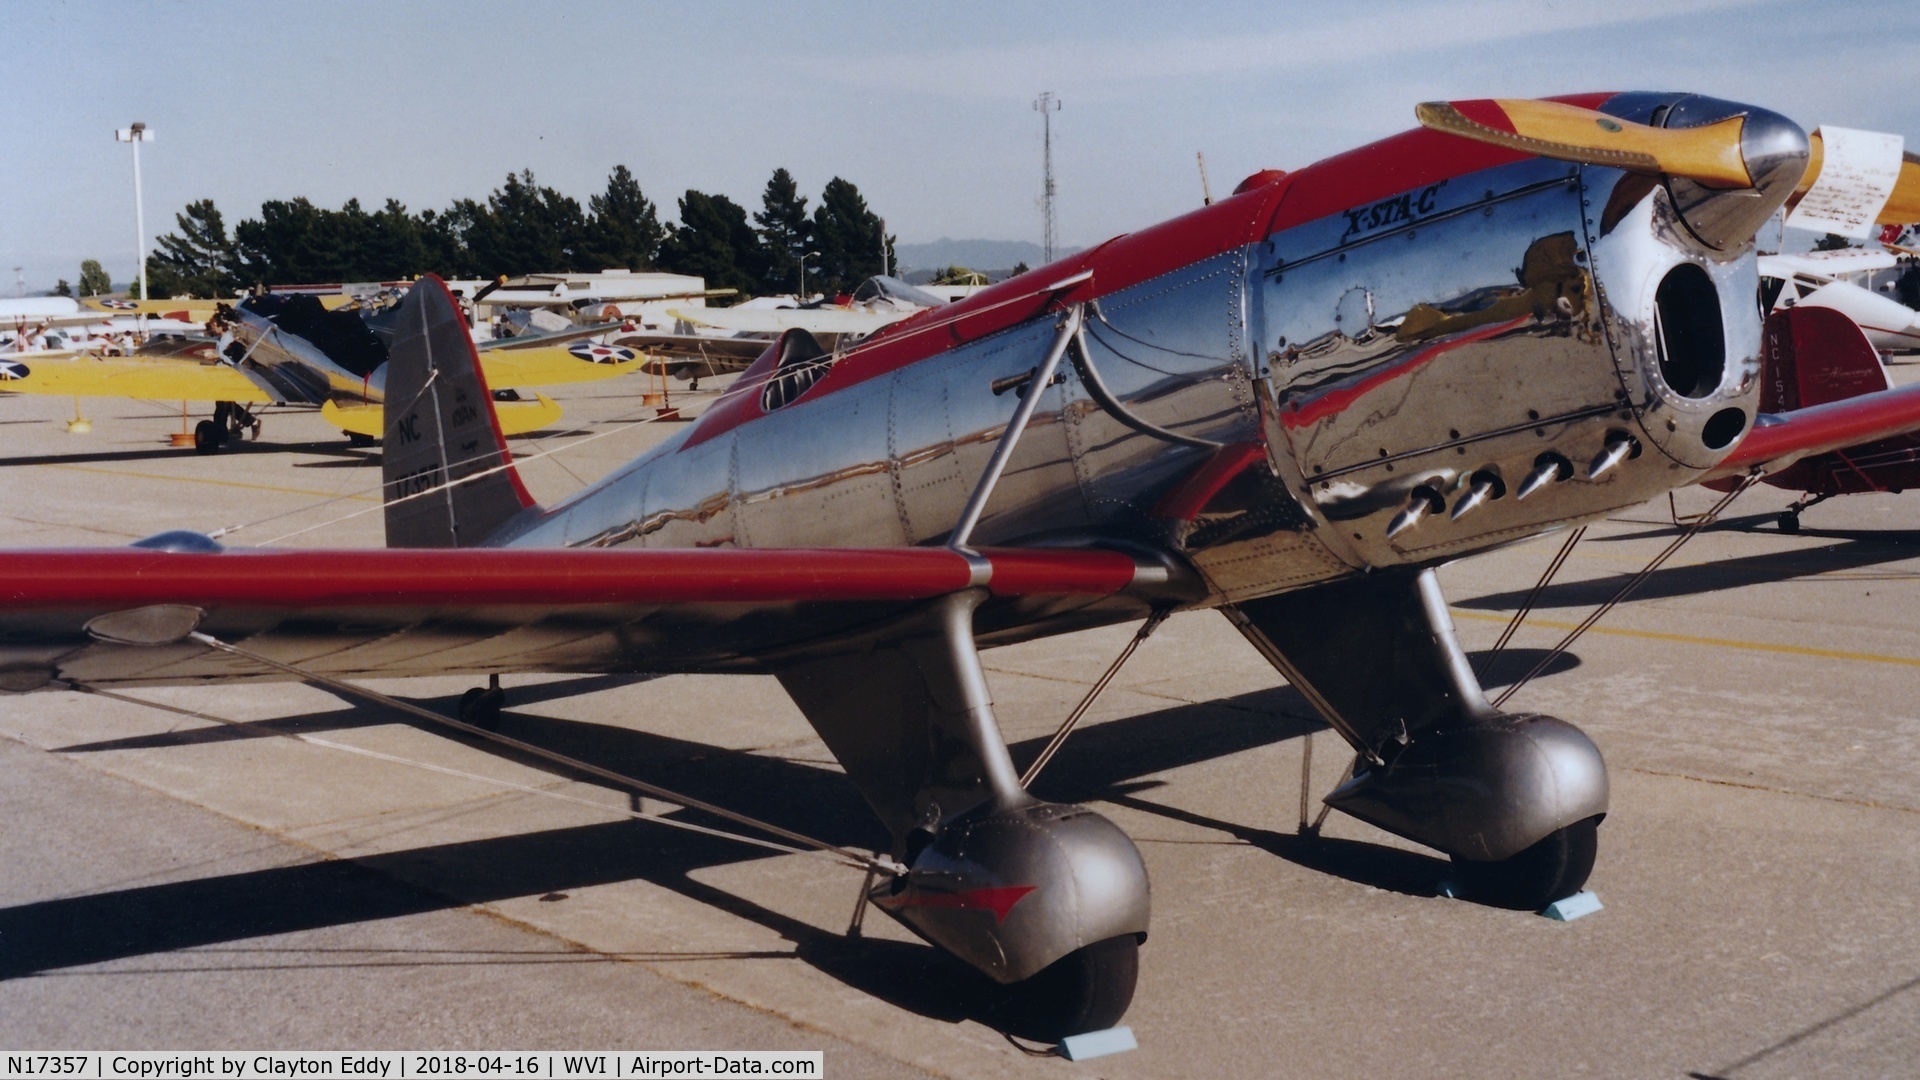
{"x": 1815, "y": 357}
{"x": 1833, "y": 279}
{"x": 294, "y": 349}
{"x": 25, "y": 321}
{"x": 744, "y": 331}
{"x": 1289, "y": 406}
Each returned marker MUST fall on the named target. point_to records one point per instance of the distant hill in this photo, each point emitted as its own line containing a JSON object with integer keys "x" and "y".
{"x": 982, "y": 255}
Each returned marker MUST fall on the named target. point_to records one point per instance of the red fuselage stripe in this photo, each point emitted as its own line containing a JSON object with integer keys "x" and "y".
{"x": 1185, "y": 502}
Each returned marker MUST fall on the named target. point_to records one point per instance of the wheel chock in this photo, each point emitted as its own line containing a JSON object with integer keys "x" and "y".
{"x": 1572, "y": 907}
{"x": 1093, "y": 1044}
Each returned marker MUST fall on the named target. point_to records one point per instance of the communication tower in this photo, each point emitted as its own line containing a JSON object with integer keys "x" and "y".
{"x": 1046, "y": 105}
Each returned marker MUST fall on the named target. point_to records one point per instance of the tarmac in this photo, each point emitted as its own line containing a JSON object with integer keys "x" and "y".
{"x": 167, "y": 881}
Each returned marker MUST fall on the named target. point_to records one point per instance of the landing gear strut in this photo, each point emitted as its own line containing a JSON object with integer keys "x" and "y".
{"x": 1050, "y": 901}
{"x": 1514, "y": 798}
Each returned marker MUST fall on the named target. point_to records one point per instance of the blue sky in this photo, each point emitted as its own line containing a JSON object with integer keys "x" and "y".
{"x": 927, "y": 107}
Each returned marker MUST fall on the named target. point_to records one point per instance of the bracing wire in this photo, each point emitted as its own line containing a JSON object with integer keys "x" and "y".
{"x": 1627, "y": 589}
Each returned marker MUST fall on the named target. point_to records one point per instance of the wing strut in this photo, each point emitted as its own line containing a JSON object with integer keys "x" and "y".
{"x": 1029, "y": 401}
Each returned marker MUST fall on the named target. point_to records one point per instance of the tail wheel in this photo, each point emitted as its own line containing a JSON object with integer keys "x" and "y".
{"x": 1553, "y": 869}
{"x": 1088, "y": 989}
{"x": 481, "y": 707}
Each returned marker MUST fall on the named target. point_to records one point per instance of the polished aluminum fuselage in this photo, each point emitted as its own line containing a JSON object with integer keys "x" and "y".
{"x": 1393, "y": 349}
{"x": 295, "y": 371}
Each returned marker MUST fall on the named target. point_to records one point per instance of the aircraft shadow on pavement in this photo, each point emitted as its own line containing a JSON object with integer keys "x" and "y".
{"x": 351, "y": 717}
{"x": 1104, "y": 762}
{"x": 1856, "y": 550}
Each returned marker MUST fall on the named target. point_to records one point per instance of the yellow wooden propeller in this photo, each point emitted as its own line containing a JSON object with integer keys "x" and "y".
{"x": 1709, "y": 155}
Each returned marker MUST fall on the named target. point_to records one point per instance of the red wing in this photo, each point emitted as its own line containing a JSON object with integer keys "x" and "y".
{"x": 400, "y": 612}
{"x": 1823, "y": 385}
{"x": 1778, "y": 441}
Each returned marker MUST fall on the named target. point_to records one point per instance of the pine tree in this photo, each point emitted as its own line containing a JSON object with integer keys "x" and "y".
{"x": 445, "y": 240}
{"x": 393, "y": 247}
{"x": 849, "y": 238}
{"x": 283, "y": 246}
{"x": 784, "y": 231}
{"x": 61, "y": 288}
{"x": 198, "y": 260}
{"x": 714, "y": 241}
{"x": 623, "y": 228}
{"x": 93, "y": 280}
{"x": 527, "y": 229}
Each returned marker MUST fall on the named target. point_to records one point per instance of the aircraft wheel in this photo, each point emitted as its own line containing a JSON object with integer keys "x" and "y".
{"x": 481, "y": 707}
{"x": 354, "y": 438}
{"x": 1789, "y": 522}
{"x": 1553, "y": 869}
{"x": 206, "y": 437}
{"x": 1088, "y": 989}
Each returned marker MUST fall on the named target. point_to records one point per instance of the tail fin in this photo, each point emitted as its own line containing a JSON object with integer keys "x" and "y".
{"x": 450, "y": 481}
{"x": 1815, "y": 355}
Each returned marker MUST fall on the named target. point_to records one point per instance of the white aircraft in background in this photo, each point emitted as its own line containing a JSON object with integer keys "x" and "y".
{"x": 46, "y": 325}
{"x": 708, "y": 341}
{"x": 879, "y": 301}
{"x": 1840, "y": 280}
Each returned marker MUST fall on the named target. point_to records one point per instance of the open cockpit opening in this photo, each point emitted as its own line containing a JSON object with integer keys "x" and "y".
{"x": 802, "y": 362}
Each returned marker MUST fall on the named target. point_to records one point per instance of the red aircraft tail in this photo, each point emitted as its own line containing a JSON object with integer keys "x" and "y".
{"x": 1812, "y": 356}
{"x": 1823, "y": 389}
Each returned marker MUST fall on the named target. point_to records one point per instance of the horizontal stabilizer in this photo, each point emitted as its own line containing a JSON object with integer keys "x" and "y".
{"x": 515, "y": 417}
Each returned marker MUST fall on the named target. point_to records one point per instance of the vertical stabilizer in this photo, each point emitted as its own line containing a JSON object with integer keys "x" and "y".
{"x": 1815, "y": 355}
{"x": 450, "y": 481}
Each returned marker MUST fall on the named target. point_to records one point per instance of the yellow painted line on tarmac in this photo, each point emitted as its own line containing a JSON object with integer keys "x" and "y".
{"x": 208, "y": 480}
{"x": 1689, "y": 639}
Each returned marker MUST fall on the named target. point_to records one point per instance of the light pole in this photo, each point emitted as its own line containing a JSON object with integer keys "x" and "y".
{"x": 803, "y": 273}
{"x": 136, "y": 135}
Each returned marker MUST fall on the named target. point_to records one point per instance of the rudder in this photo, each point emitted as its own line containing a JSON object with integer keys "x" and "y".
{"x": 449, "y": 479}
{"x": 1813, "y": 356}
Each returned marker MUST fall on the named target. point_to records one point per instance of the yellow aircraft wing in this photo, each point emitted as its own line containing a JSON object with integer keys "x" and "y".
{"x": 555, "y": 364}
{"x": 516, "y": 417}
{"x": 83, "y": 375}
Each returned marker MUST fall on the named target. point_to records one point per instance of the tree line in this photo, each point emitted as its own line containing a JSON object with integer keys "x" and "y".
{"x": 524, "y": 227}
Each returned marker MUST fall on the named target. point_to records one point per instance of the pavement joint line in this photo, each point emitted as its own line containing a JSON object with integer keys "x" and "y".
{"x": 1865, "y": 804}
{"x": 207, "y": 480}
{"x": 1691, "y": 639}
{"x": 483, "y": 909}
